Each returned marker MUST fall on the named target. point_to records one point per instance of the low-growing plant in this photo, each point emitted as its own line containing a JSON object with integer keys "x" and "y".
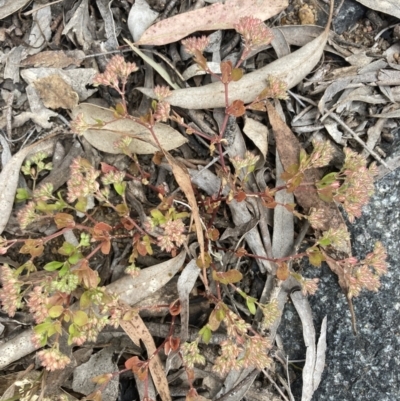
{"x": 49, "y": 291}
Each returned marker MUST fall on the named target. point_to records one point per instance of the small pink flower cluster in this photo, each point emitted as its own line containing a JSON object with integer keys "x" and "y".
{"x": 322, "y": 154}
{"x": 309, "y": 286}
{"x": 43, "y": 193}
{"x": 191, "y": 354}
{"x": 358, "y": 185}
{"x": 117, "y": 69}
{"x": 90, "y": 330}
{"x": 359, "y": 275}
{"x": 255, "y": 33}
{"x": 113, "y": 177}
{"x": 10, "y": 298}
{"x": 173, "y": 235}
{"x": 162, "y": 92}
{"x": 193, "y": 44}
{"x": 27, "y": 215}
{"x": 37, "y": 304}
{"x": 52, "y": 359}
{"x": 162, "y": 111}
{"x": 82, "y": 182}
{"x": 338, "y": 237}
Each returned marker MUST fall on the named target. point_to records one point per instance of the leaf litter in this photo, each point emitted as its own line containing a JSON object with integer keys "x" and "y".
{"x": 334, "y": 94}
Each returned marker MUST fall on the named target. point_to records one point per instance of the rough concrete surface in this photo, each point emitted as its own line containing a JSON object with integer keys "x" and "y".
{"x": 366, "y": 367}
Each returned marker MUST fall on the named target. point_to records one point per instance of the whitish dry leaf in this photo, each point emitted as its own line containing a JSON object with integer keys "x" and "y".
{"x": 140, "y": 18}
{"x": 56, "y": 93}
{"x": 137, "y": 331}
{"x": 290, "y": 69}
{"x": 390, "y": 7}
{"x": 9, "y": 177}
{"x": 182, "y": 177}
{"x": 100, "y": 363}
{"x": 8, "y": 7}
{"x": 283, "y": 234}
{"x": 133, "y": 290}
{"x": 321, "y": 354}
{"x": 103, "y": 138}
{"x": 40, "y": 32}
{"x": 186, "y": 281}
{"x": 258, "y": 133}
{"x": 217, "y": 16}
{"x": 55, "y": 59}
{"x": 303, "y": 309}
{"x": 77, "y": 28}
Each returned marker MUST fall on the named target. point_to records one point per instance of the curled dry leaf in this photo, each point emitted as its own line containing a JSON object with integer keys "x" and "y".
{"x": 182, "y": 177}
{"x": 137, "y": 331}
{"x": 217, "y": 16}
{"x": 258, "y": 133}
{"x": 290, "y": 69}
{"x": 103, "y": 138}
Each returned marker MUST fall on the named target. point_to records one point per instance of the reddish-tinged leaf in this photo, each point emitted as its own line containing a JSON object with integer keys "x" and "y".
{"x": 236, "y": 109}
{"x": 175, "y": 308}
{"x": 217, "y": 16}
{"x": 226, "y": 71}
{"x": 106, "y": 168}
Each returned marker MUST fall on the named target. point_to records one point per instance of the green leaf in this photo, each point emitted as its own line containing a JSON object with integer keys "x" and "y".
{"x": 205, "y": 333}
{"x": 75, "y": 258}
{"x": 67, "y": 249}
{"x": 22, "y": 194}
{"x": 80, "y": 318}
{"x": 51, "y": 266}
{"x": 85, "y": 300}
{"x": 64, "y": 270}
{"x": 251, "y": 305}
{"x": 56, "y": 311}
{"x": 120, "y": 188}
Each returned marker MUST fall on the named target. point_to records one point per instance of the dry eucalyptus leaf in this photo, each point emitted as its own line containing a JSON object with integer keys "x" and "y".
{"x": 182, "y": 177}
{"x": 40, "y": 32}
{"x": 141, "y": 16}
{"x": 217, "y": 16}
{"x": 56, "y": 93}
{"x": 78, "y": 27}
{"x": 133, "y": 290}
{"x": 137, "y": 331}
{"x": 55, "y": 59}
{"x": 258, "y": 133}
{"x": 8, "y": 7}
{"x": 290, "y": 69}
{"x": 390, "y": 7}
{"x": 103, "y": 138}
